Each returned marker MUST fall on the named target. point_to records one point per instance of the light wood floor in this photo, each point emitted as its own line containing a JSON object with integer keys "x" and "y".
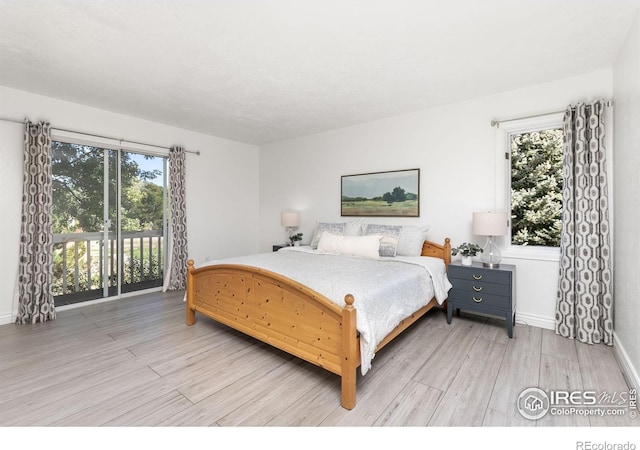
{"x": 134, "y": 362}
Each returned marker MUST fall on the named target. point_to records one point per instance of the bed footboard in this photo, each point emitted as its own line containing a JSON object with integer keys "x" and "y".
{"x": 282, "y": 313}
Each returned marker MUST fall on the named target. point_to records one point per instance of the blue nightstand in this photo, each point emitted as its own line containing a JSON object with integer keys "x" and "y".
{"x": 484, "y": 290}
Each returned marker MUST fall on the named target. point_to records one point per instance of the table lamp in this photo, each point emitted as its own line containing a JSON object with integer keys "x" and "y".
{"x": 290, "y": 220}
{"x": 490, "y": 224}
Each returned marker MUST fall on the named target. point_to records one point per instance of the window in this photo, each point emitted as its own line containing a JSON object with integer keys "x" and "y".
{"x": 536, "y": 188}
{"x": 534, "y": 154}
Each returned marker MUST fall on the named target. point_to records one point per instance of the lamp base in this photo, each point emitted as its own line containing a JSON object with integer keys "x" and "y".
{"x": 490, "y": 256}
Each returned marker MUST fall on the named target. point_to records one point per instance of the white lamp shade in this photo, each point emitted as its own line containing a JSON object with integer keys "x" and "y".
{"x": 489, "y": 223}
{"x": 289, "y": 219}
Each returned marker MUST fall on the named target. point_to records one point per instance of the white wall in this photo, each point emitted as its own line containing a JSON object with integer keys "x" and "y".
{"x": 626, "y": 88}
{"x": 459, "y": 156}
{"x": 222, "y": 183}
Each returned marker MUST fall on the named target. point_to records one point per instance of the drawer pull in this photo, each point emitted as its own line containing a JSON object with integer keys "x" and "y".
{"x": 477, "y": 300}
{"x": 477, "y": 289}
{"x": 477, "y": 277}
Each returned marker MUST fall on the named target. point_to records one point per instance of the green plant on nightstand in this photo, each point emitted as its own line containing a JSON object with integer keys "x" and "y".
{"x": 467, "y": 252}
{"x": 295, "y": 238}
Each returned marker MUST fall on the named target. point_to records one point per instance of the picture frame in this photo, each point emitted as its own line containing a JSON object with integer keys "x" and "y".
{"x": 394, "y": 193}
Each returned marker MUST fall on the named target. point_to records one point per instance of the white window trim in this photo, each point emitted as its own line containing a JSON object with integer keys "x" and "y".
{"x": 532, "y": 253}
{"x": 503, "y": 183}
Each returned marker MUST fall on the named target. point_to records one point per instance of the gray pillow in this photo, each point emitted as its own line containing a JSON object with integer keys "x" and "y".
{"x": 390, "y": 235}
{"x": 335, "y": 228}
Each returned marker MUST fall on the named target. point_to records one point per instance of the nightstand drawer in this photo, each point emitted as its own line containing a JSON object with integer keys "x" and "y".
{"x": 478, "y": 274}
{"x": 460, "y": 298}
{"x": 480, "y": 287}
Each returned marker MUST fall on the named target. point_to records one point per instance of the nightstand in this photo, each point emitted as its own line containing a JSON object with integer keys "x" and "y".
{"x": 484, "y": 290}
{"x": 278, "y": 247}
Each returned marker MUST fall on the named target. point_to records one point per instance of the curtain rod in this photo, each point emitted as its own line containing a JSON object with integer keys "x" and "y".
{"x": 497, "y": 123}
{"x": 6, "y": 119}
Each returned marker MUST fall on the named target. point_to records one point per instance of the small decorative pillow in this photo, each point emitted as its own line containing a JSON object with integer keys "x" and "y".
{"x": 390, "y": 235}
{"x": 335, "y": 228}
{"x": 411, "y": 239}
{"x": 354, "y": 227}
{"x": 366, "y": 246}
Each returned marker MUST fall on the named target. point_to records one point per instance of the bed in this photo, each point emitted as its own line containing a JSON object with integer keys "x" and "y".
{"x": 302, "y": 316}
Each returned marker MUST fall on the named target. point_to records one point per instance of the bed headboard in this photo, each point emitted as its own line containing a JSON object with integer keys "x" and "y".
{"x": 439, "y": 251}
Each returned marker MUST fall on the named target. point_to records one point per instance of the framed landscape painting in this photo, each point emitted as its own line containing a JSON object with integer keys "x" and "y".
{"x": 381, "y": 194}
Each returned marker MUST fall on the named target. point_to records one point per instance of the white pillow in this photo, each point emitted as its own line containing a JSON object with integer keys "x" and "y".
{"x": 411, "y": 239}
{"x": 367, "y": 246}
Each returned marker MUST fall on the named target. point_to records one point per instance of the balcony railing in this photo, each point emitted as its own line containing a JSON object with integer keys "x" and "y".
{"x": 79, "y": 264}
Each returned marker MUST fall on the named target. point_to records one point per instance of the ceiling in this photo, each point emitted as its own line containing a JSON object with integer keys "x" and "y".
{"x": 259, "y": 71}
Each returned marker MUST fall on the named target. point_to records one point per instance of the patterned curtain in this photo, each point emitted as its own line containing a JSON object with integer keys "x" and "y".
{"x": 585, "y": 301}
{"x": 177, "y": 248}
{"x": 35, "y": 274}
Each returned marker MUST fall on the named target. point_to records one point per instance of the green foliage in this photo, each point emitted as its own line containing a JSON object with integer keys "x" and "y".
{"x": 142, "y": 269}
{"x": 136, "y": 268}
{"x": 145, "y": 206}
{"x": 354, "y": 199}
{"x": 398, "y": 195}
{"x": 64, "y": 280}
{"x": 78, "y": 184}
{"x": 536, "y": 188}
{"x": 467, "y": 249}
{"x": 295, "y": 237}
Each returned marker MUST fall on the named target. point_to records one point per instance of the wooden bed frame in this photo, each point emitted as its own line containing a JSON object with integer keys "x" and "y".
{"x": 289, "y": 315}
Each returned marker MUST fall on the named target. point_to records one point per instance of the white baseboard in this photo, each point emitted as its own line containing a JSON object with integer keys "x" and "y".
{"x": 5, "y": 319}
{"x": 536, "y": 321}
{"x": 630, "y": 372}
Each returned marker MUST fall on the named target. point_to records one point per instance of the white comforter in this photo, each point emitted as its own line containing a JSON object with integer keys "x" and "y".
{"x": 386, "y": 290}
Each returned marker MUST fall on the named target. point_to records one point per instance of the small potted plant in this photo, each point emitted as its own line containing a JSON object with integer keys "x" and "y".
{"x": 467, "y": 252}
{"x": 295, "y": 239}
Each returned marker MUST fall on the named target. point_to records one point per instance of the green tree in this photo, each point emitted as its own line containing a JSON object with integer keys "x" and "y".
{"x": 397, "y": 195}
{"x": 147, "y": 205}
{"x": 536, "y": 188}
{"x": 78, "y": 184}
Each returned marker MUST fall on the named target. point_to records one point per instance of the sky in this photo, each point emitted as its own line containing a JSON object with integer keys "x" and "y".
{"x": 149, "y": 164}
{"x": 376, "y": 184}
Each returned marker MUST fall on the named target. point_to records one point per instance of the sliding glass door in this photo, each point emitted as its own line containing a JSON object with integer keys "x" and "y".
{"x": 142, "y": 220}
{"x": 109, "y": 215}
